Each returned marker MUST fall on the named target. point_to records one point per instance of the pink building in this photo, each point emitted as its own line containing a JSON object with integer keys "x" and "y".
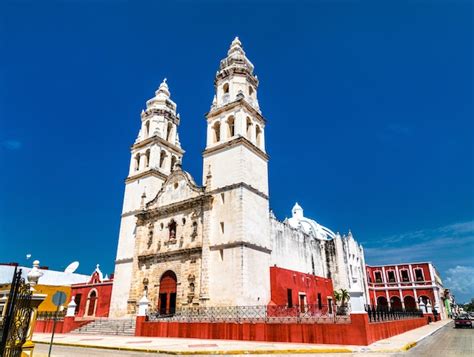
{"x": 407, "y": 286}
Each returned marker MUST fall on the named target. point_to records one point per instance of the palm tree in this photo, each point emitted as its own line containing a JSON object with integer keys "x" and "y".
{"x": 345, "y": 296}
{"x": 342, "y": 296}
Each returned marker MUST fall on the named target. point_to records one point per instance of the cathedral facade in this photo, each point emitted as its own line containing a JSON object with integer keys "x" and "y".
{"x": 183, "y": 244}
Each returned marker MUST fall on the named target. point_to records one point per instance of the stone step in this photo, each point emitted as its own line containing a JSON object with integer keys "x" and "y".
{"x": 108, "y": 327}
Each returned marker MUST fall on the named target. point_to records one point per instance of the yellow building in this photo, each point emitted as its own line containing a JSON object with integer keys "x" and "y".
{"x": 51, "y": 282}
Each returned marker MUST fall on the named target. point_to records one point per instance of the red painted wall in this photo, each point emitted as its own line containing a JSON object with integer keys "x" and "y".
{"x": 62, "y": 326}
{"x": 372, "y": 269}
{"x": 358, "y": 332}
{"x": 104, "y": 293}
{"x": 283, "y": 279}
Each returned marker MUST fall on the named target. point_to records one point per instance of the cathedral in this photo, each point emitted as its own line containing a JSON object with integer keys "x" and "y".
{"x": 182, "y": 244}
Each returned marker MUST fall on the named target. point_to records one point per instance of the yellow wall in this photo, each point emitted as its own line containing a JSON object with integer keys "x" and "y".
{"x": 47, "y": 304}
{"x": 49, "y": 290}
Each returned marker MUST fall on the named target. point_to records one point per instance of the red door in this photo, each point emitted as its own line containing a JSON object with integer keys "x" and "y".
{"x": 92, "y": 302}
{"x": 167, "y": 295}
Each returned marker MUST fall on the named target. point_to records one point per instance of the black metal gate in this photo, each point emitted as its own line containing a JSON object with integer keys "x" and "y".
{"x": 15, "y": 322}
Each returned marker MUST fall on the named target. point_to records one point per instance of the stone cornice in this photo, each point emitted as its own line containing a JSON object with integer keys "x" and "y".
{"x": 131, "y": 213}
{"x": 239, "y": 102}
{"x": 167, "y": 114}
{"x": 150, "y": 172}
{"x": 155, "y": 258}
{"x": 226, "y": 72}
{"x": 239, "y": 185}
{"x": 202, "y": 201}
{"x": 124, "y": 261}
{"x": 240, "y": 140}
{"x": 155, "y": 139}
{"x": 240, "y": 244}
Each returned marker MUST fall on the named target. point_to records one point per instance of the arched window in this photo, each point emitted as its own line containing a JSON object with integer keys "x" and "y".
{"x": 258, "y": 135}
{"x": 231, "y": 126}
{"x": 147, "y": 158}
{"x": 173, "y": 162}
{"x": 162, "y": 158}
{"x": 172, "y": 229}
{"x": 250, "y": 90}
{"x": 168, "y": 131}
{"x": 217, "y": 131}
{"x": 137, "y": 162}
{"x": 225, "y": 88}
{"x": 147, "y": 129}
{"x": 249, "y": 128}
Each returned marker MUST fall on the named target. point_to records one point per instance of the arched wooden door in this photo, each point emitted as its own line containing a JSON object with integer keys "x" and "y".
{"x": 410, "y": 303}
{"x": 167, "y": 297}
{"x": 396, "y": 303}
{"x": 92, "y": 303}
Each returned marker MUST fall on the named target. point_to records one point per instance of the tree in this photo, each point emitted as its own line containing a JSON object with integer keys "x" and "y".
{"x": 345, "y": 296}
{"x": 469, "y": 307}
{"x": 342, "y": 296}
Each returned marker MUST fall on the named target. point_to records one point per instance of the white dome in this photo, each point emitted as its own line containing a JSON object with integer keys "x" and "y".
{"x": 309, "y": 226}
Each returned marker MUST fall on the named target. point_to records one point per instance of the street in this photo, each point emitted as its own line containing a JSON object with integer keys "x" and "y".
{"x": 446, "y": 342}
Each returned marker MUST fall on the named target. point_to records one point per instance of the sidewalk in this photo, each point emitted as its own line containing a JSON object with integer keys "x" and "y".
{"x": 186, "y": 346}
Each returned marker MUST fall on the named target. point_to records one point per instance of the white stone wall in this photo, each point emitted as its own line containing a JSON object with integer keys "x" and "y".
{"x": 294, "y": 250}
{"x": 234, "y": 165}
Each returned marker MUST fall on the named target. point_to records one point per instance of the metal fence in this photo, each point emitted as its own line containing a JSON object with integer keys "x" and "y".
{"x": 383, "y": 313}
{"x": 50, "y": 315}
{"x": 267, "y": 314}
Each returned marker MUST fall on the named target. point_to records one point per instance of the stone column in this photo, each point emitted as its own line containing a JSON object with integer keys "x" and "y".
{"x": 205, "y": 256}
{"x": 28, "y": 346}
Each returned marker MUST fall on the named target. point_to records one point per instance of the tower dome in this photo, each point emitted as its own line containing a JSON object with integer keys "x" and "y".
{"x": 308, "y": 226}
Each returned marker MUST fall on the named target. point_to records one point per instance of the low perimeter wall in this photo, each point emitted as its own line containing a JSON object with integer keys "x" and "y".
{"x": 358, "y": 332}
{"x": 62, "y": 326}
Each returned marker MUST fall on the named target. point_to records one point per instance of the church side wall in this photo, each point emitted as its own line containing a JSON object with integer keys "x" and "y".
{"x": 293, "y": 250}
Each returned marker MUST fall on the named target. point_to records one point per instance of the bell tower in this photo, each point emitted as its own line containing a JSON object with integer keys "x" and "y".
{"x": 235, "y": 171}
{"x": 153, "y": 156}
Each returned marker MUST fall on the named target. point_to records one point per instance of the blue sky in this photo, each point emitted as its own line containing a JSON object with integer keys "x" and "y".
{"x": 368, "y": 105}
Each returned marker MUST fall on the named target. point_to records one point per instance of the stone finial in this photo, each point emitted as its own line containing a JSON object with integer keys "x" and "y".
{"x": 142, "y": 203}
{"x": 177, "y": 142}
{"x": 208, "y": 178}
{"x": 235, "y": 47}
{"x": 163, "y": 88}
{"x": 143, "y": 305}
{"x": 34, "y": 275}
{"x": 71, "y": 308}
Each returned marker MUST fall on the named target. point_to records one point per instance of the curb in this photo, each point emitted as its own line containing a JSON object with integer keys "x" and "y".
{"x": 206, "y": 352}
{"x": 410, "y": 345}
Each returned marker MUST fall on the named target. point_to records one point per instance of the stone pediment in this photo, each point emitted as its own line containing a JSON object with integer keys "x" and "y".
{"x": 178, "y": 187}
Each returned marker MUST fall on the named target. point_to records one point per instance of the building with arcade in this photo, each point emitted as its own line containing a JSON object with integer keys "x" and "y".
{"x": 408, "y": 286}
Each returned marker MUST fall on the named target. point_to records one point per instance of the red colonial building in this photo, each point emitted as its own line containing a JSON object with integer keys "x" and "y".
{"x": 289, "y": 288}
{"x": 405, "y": 286}
{"x": 93, "y": 298}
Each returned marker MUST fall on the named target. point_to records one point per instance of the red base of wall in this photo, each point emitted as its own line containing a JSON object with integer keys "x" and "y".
{"x": 63, "y": 326}
{"x": 358, "y": 332}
